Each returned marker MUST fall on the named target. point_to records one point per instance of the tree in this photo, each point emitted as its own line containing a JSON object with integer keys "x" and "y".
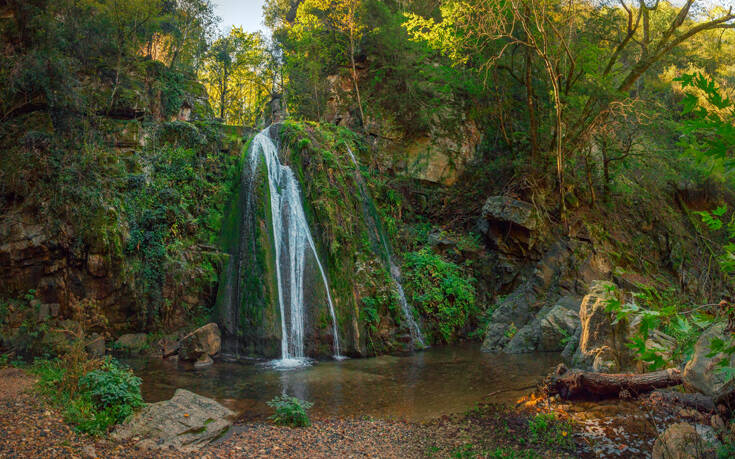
{"x": 190, "y": 25}
{"x": 568, "y": 39}
{"x": 342, "y": 17}
{"x": 130, "y": 22}
{"x": 239, "y": 74}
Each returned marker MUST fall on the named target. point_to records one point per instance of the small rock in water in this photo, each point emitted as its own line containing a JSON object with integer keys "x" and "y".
{"x": 203, "y": 362}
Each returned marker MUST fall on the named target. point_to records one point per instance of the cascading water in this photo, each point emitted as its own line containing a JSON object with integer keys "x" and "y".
{"x": 292, "y": 241}
{"x": 395, "y": 272}
{"x": 271, "y": 261}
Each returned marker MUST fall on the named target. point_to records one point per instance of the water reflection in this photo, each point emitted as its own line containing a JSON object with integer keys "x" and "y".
{"x": 442, "y": 380}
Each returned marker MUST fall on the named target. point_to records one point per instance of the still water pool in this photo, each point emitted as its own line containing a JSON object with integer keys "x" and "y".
{"x": 416, "y": 387}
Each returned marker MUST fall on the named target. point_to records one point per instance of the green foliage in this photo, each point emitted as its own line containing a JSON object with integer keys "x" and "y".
{"x": 727, "y": 347}
{"x": 290, "y": 411}
{"x": 661, "y": 310}
{"x": 21, "y": 328}
{"x": 511, "y": 331}
{"x": 94, "y": 402}
{"x": 548, "y": 430}
{"x": 709, "y": 127}
{"x": 113, "y": 387}
{"x": 714, "y": 221}
{"x": 108, "y": 45}
{"x": 727, "y": 448}
{"x": 443, "y": 295}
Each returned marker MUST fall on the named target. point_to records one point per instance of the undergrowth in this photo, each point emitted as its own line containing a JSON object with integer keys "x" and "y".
{"x": 442, "y": 293}
{"x": 290, "y": 411}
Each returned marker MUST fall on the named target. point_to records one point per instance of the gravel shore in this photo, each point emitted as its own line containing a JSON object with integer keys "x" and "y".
{"x": 30, "y": 429}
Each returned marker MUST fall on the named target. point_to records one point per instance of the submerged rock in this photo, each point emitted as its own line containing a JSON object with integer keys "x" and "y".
{"x": 703, "y": 373}
{"x": 202, "y": 343}
{"x": 685, "y": 441}
{"x": 185, "y": 422}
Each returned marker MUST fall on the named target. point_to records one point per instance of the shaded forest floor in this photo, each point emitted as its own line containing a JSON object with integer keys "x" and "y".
{"x": 30, "y": 428}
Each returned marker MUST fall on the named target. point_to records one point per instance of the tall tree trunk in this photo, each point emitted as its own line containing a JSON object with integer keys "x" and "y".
{"x": 533, "y": 124}
{"x": 606, "y": 169}
{"x": 558, "y": 135}
{"x": 223, "y": 95}
{"x": 590, "y": 185}
{"x": 354, "y": 79}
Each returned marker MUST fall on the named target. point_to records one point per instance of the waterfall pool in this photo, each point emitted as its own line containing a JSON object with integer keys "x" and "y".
{"x": 414, "y": 387}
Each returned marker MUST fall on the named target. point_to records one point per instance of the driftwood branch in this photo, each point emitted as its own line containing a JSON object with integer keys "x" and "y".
{"x": 581, "y": 384}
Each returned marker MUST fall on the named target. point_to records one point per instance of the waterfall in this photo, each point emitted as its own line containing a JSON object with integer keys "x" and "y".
{"x": 292, "y": 239}
{"x": 395, "y": 272}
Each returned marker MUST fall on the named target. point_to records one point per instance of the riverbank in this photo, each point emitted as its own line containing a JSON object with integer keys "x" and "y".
{"x": 31, "y": 428}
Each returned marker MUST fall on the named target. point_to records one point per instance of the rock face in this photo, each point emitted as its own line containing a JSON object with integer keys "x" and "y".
{"x": 685, "y": 441}
{"x": 201, "y": 344}
{"x": 441, "y": 156}
{"x": 554, "y": 281}
{"x": 36, "y": 254}
{"x": 601, "y": 344}
{"x": 514, "y": 309}
{"x": 186, "y": 422}
{"x": 703, "y": 373}
{"x": 96, "y": 265}
{"x": 509, "y": 224}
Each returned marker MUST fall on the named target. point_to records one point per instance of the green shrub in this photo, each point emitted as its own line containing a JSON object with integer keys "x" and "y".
{"x": 113, "y": 388}
{"x": 546, "y": 429}
{"x": 290, "y": 411}
{"x": 443, "y": 295}
{"x": 94, "y": 402}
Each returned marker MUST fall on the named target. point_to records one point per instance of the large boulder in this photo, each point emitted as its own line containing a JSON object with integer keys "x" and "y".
{"x": 703, "y": 373}
{"x": 509, "y": 224}
{"x": 186, "y": 422}
{"x": 514, "y": 309}
{"x": 525, "y": 340}
{"x": 557, "y": 328}
{"x": 548, "y": 332}
{"x": 201, "y": 344}
{"x": 685, "y": 441}
{"x": 132, "y": 342}
{"x": 601, "y": 343}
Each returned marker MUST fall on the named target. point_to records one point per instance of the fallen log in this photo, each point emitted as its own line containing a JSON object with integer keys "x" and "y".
{"x": 699, "y": 402}
{"x": 570, "y": 384}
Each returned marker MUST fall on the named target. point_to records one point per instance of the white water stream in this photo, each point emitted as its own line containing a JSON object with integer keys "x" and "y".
{"x": 395, "y": 272}
{"x": 292, "y": 240}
